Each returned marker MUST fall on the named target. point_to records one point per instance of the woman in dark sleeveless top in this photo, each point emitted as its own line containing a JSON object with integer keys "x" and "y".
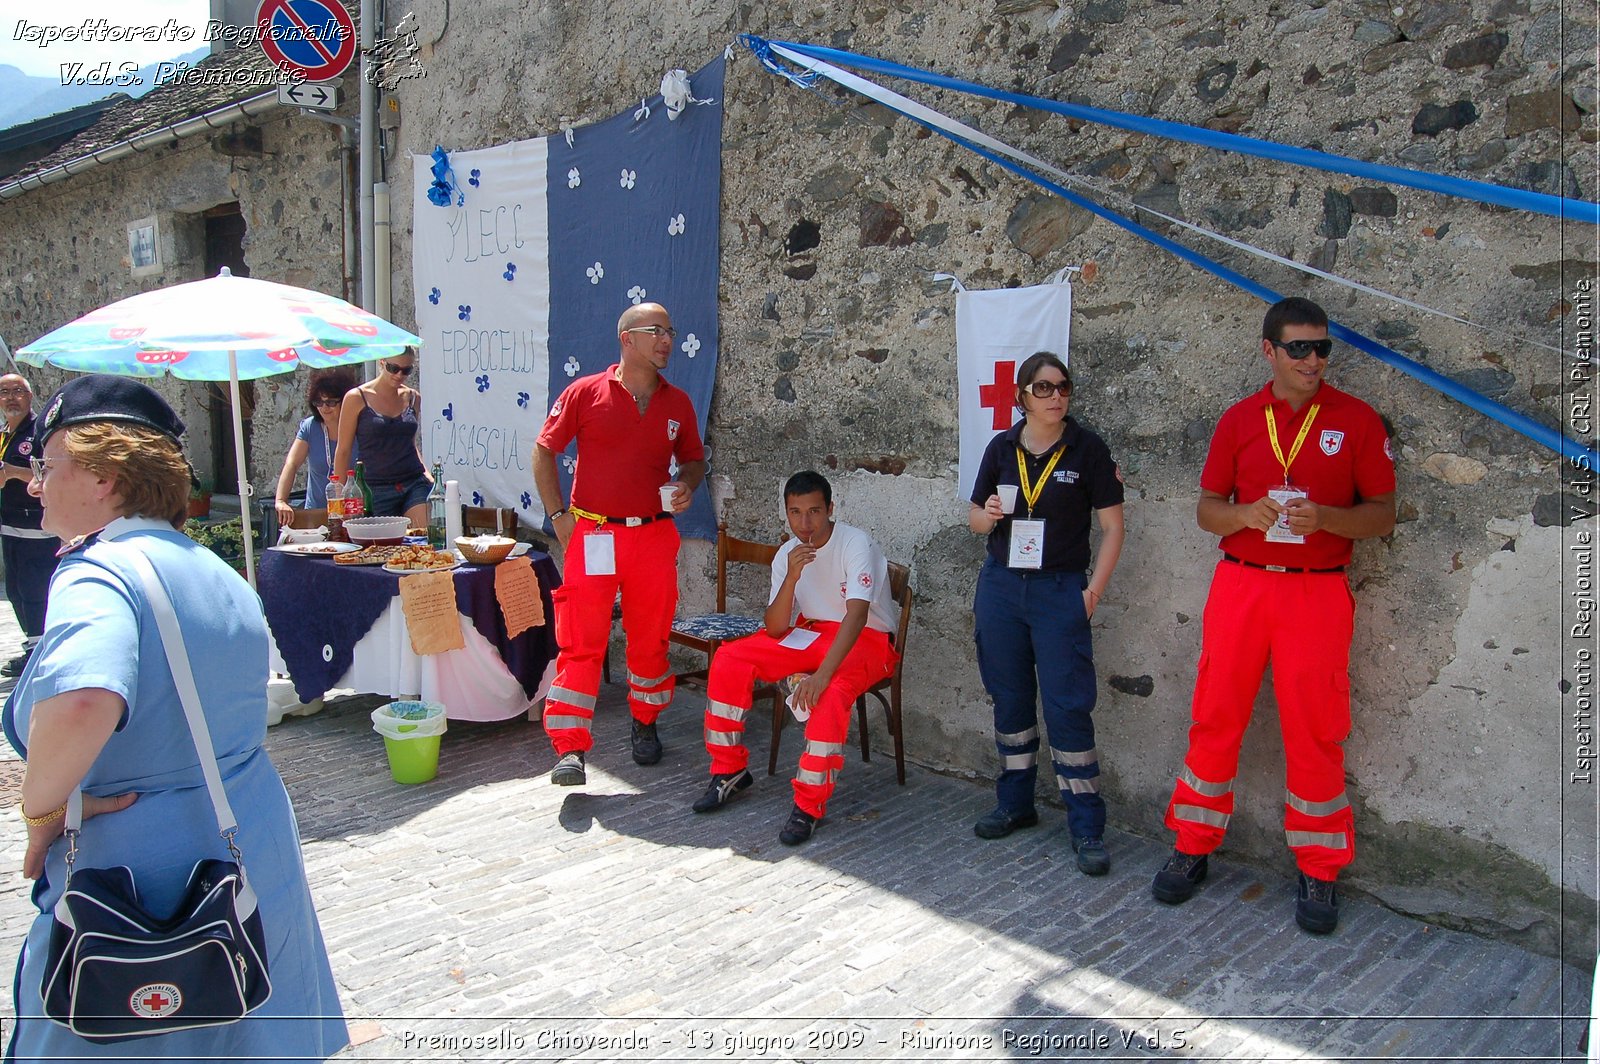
{"x": 380, "y": 419}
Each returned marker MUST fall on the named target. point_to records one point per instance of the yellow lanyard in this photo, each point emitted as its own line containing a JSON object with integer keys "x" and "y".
{"x": 1277, "y": 448}
{"x": 1030, "y": 495}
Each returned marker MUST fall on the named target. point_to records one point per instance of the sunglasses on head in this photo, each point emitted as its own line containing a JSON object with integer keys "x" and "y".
{"x": 1045, "y": 389}
{"x": 1298, "y": 349}
{"x": 404, "y": 371}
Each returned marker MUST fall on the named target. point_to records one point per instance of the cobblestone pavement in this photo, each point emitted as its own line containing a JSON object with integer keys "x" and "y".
{"x": 488, "y": 915}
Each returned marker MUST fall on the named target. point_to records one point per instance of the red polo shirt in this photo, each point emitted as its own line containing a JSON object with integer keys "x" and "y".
{"x": 1345, "y": 458}
{"x": 622, "y": 455}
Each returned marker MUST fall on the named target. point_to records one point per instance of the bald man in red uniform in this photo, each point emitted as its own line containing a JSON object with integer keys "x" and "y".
{"x": 1296, "y": 473}
{"x": 630, "y": 424}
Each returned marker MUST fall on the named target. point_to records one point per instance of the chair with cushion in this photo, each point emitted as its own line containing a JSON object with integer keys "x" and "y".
{"x": 705, "y": 633}
{"x": 886, "y": 690}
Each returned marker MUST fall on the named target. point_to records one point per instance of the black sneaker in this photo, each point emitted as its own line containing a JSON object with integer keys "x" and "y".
{"x": 646, "y": 745}
{"x": 569, "y": 770}
{"x": 15, "y": 666}
{"x": 799, "y": 828}
{"x": 1000, "y": 823}
{"x": 1177, "y": 878}
{"x": 1093, "y": 860}
{"x": 722, "y": 790}
{"x": 1316, "y": 908}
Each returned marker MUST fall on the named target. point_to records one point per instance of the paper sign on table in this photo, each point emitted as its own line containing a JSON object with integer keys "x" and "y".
{"x": 429, "y": 603}
{"x": 517, "y": 590}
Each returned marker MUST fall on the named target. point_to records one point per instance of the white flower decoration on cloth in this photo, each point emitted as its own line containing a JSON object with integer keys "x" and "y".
{"x": 637, "y": 294}
{"x": 691, "y": 345}
{"x": 629, "y": 177}
{"x": 675, "y": 225}
{"x": 574, "y": 179}
{"x": 595, "y": 272}
{"x": 571, "y": 366}
{"x": 327, "y": 652}
{"x": 566, "y": 129}
{"x": 675, "y": 93}
{"x": 569, "y": 463}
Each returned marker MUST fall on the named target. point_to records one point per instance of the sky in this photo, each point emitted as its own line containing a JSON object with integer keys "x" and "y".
{"x": 121, "y": 17}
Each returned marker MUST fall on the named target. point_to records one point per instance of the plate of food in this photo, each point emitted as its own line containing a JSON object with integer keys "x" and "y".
{"x": 371, "y": 555}
{"x": 420, "y": 560}
{"x": 315, "y": 550}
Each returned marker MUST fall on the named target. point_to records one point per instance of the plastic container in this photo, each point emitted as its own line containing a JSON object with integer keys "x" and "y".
{"x": 411, "y": 733}
{"x": 376, "y": 530}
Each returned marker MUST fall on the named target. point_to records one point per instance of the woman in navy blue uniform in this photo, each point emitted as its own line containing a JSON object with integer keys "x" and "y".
{"x": 1034, "y": 600}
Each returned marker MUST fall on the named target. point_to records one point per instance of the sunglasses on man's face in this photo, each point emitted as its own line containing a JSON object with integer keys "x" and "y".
{"x": 1299, "y": 349}
{"x": 403, "y": 371}
{"x": 1045, "y": 389}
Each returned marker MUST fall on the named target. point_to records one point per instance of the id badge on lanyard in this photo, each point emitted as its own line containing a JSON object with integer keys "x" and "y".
{"x": 599, "y": 554}
{"x": 1283, "y": 496}
{"x": 1027, "y": 536}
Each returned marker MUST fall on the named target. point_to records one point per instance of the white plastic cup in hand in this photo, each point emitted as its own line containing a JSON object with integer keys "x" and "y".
{"x": 1008, "y": 497}
{"x": 667, "y": 492}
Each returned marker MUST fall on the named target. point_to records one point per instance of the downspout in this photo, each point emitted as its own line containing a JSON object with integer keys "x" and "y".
{"x": 383, "y": 276}
{"x": 369, "y": 154}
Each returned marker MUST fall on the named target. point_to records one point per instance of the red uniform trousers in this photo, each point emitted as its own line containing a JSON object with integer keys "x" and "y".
{"x": 647, "y": 576}
{"x": 739, "y": 665}
{"x": 1302, "y": 622}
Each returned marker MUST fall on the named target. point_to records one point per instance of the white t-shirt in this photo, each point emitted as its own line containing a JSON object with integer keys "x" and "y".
{"x": 848, "y": 566}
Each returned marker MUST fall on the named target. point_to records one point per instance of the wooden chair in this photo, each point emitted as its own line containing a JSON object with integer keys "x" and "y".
{"x": 309, "y": 518}
{"x": 704, "y": 634}
{"x": 488, "y": 519}
{"x": 886, "y": 690}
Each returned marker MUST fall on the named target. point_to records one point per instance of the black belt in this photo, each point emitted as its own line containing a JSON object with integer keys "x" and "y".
{"x": 625, "y": 522}
{"x": 1279, "y": 568}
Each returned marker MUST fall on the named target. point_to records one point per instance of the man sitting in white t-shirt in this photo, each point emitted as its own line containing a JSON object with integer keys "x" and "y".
{"x": 828, "y": 620}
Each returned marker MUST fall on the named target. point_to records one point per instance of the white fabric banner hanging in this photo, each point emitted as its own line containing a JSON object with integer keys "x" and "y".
{"x": 995, "y": 332}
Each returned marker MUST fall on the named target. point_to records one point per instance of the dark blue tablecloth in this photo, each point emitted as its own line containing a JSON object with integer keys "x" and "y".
{"x": 319, "y": 610}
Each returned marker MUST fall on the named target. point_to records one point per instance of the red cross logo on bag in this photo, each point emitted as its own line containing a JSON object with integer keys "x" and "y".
{"x": 155, "y": 1000}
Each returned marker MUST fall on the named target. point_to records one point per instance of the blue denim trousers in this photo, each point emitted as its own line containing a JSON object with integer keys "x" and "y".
{"x": 1034, "y": 646}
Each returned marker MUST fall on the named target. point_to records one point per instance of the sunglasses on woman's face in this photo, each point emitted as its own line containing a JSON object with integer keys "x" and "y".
{"x": 403, "y": 371}
{"x": 325, "y": 402}
{"x": 1045, "y": 389}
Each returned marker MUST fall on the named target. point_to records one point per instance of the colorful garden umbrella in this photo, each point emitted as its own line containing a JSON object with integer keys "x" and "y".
{"x": 224, "y": 328}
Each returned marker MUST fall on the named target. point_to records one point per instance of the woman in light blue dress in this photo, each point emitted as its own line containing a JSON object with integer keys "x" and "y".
{"x": 96, "y": 707}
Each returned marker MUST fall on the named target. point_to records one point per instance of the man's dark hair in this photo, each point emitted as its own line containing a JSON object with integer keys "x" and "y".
{"x": 1292, "y": 311}
{"x": 807, "y": 482}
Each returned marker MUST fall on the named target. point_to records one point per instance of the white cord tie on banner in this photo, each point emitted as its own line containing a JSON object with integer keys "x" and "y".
{"x": 676, "y": 95}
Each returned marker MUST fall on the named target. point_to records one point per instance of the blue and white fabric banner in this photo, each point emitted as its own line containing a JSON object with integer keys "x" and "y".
{"x": 541, "y": 245}
{"x": 996, "y": 331}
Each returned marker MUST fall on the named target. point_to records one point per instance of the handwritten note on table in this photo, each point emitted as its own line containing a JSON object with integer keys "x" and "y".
{"x": 429, "y": 603}
{"x": 517, "y": 589}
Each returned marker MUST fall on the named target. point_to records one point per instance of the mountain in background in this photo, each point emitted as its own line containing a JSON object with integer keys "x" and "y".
{"x": 24, "y": 97}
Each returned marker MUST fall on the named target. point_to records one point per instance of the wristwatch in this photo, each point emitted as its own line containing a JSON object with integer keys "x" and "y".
{"x": 558, "y": 515}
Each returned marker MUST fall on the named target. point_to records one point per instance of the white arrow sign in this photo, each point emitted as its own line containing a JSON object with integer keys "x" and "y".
{"x": 315, "y": 95}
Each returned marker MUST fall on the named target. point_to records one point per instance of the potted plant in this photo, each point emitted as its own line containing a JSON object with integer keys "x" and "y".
{"x": 199, "y": 496}
{"x": 225, "y": 539}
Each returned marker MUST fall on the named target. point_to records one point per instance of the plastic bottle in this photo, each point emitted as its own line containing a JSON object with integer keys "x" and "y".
{"x": 336, "y": 532}
{"x": 366, "y": 492}
{"x": 436, "y": 509}
{"x": 353, "y": 505}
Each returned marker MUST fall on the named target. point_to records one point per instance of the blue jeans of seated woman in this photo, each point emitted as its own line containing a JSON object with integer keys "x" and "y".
{"x": 1034, "y": 646}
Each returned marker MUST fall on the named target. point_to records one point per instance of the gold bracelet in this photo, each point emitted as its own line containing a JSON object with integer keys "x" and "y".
{"x": 40, "y": 821}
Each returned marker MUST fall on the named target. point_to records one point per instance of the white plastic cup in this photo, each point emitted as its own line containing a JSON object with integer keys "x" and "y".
{"x": 1008, "y": 497}
{"x": 667, "y": 492}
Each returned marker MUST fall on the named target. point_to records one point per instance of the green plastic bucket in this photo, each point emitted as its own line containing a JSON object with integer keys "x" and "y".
{"x": 413, "y": 758}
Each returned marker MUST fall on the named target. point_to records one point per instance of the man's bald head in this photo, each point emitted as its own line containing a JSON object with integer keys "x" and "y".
{"x": 641, "y": 314}
{"x": 15, "y": 380}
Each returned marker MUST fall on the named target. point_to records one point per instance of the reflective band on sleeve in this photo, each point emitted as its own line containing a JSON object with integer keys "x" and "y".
{"x": 816, "y": 749}
{"x": 651, "y": 698}
{"x": 724, "y": 738}
{"x": 725, "y": 710}
{"x": 573, "y": 698}
{"x": 1077, "y": 786}
{"x": 1328, "y": 808}
{"x": 1199, "y": 814}
{"x": 1074, "y": 759}
{"x": 1205, "y": 787}
{"x": 640, "y": 681}
{"x": 1333, "y": 840}
{"x": 1017, "y": 738}
{"x": 553, "y": 721}
{"x": 816, "y": 779}
{"x": 1013, "y": 762}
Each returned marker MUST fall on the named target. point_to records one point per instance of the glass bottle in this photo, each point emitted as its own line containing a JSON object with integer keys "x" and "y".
{"x": 366, "y": 492}
{"x": 436, "y": 512}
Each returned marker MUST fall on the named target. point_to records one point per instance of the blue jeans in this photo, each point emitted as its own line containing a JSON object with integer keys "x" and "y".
{"x": 1034, "y": 644}
{"x": 390, "y": 499}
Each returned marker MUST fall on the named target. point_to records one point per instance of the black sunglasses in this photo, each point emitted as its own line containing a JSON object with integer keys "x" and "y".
{"x": 1298, "y": 349}
{"x": 326, "y": 400}
{"x": 1045, "y": 389}
{"x": 404, "y": 371}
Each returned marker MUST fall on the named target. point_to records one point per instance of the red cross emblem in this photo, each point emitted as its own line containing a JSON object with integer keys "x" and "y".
{"x": 156, "y": 1002}
{"x": 1001, "y": 396}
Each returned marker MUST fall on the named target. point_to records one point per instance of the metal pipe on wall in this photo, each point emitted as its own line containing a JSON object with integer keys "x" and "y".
{"x": 369, "y": 157}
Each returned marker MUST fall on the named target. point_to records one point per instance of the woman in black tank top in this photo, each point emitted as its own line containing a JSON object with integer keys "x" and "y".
{"x": 381, "y": 416}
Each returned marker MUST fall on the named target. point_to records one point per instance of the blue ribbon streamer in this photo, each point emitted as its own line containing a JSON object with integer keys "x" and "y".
{"x": 444, "y": 181}
{"x": 1581, "y": 457}
{"x": 1479, "y": 191}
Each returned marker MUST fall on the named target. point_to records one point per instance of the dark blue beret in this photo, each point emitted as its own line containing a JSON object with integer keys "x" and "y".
{"x": 102, "y": 397}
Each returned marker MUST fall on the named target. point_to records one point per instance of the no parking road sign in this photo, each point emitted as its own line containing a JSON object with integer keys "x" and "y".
{"x": 316, "y": 38}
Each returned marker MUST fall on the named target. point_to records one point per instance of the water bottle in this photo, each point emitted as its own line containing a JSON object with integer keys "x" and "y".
{"x": 336, "y": 532}
{"x": 436, "y": 511}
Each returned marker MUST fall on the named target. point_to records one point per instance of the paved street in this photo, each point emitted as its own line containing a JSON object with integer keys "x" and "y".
{"x": 491, "y": 916}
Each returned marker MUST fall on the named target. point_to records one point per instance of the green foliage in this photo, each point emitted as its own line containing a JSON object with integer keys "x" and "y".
{"x": 224, "y": 538}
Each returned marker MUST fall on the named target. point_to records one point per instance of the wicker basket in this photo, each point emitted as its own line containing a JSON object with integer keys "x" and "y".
{"x": 485, "y": 550}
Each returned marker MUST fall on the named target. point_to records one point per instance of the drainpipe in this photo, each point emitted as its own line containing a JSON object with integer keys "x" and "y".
{"x": 369, "y": 157}
{"x": 384, "y": 276}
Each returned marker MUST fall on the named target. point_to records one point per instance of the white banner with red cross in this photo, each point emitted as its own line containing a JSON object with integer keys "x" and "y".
{"x": 996, "y": 331}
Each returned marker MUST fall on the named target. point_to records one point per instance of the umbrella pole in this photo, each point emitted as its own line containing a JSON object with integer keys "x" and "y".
{"x": 245, "y": 494}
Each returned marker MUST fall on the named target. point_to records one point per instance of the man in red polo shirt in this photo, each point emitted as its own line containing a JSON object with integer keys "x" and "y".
{"x": 630, "y": 424}
{"x": 1295, "y": 474}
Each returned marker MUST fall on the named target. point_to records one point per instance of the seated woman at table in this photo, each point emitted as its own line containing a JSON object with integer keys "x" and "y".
{"x": 315, "y": 441}
{"x": 380, "y": 420}
{"x": 96, "y": 708}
